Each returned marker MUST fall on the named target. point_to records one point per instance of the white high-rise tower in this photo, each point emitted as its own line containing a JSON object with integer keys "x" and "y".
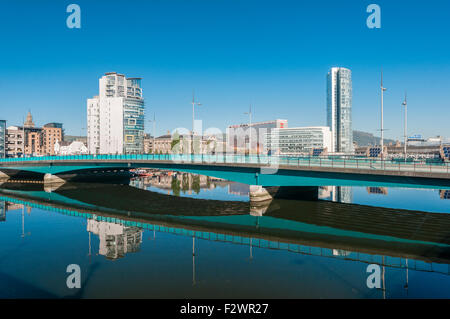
{"x": 115, "y": 118}
{"x": 339, "y": 109}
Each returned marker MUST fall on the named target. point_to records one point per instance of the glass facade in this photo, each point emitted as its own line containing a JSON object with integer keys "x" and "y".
{"x": 2, "y": 138}
{"x": 297, "y": 140}
{"x": 133, "y": 126}
{"x": 116, "y": 116}
{"x": 339, "y": 109}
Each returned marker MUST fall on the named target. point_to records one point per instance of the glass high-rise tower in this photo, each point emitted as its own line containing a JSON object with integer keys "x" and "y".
{"x": 2, "y": 138}
{"x": 339, "y": 109}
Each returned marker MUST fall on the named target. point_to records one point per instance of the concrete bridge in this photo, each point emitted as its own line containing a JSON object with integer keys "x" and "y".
{"x": 253, "y": 170}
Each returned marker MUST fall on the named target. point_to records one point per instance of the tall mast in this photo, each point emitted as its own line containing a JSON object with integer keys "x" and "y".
{"x": 382, "y": 128}
{"x": 405, "y": 104}
{"x": 250, "y": 128}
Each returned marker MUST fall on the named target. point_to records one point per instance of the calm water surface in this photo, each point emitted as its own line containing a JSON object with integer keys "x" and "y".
{"x": 191, "y": 236}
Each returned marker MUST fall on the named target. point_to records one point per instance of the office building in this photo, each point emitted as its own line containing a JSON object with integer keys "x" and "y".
{"x": 238, "y": 136}
{"x": 34, "y": 143}
{"x": 115, "y": 117}
{"x": 148, "y": 143}
{"x": 51, "y": 134}
{"x": 29, "y": 140}
{"x": 339, "y": 109}
{"x": 2, "y": 138}
{"x": 15, "y": 141}
{"x": 297, "y": 140}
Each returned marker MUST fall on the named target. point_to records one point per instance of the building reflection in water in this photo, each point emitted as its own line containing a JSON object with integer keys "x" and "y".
{"x": 2, "y": 211}
{"x": 338, "y": 194}
{"x": 6, "y": 206}
{"x": 377, "y": 190}
{"x": 175, "y": 183}
{"x": 239, "y": 189}
{"x": 444, "y": 194}
{"x": 116, "y": 240}
{"x": 178, "y": 182}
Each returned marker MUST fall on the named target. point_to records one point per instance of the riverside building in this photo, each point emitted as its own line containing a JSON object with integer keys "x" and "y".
{"x": 2, "y": 138}
{"x": 298, "y": 140}
{"x": 339, "y": 109}
{"x": 115, "y": 118}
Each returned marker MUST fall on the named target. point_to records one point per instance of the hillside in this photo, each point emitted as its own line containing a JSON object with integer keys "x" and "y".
{"x": 366, "y": 139}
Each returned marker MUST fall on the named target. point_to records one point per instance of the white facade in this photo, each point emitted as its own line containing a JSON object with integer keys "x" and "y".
{"x": 93, "y": 124}
{"x": 74, "y": 148}
{"x": 116, "y": 240}
{"x": 246, "y": 137}
{"x": 339, "y": 109}
{"x": 15, "y": 141}
{"x": 116, "y": 116}
{"x": 298, "y": 140}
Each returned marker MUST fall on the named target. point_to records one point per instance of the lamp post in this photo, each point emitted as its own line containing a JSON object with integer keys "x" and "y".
{"x": 24, "y": 139}
{"x": 405, "y": 104}
{"x": 382, "y": 129}
{"x": 250, "y": 129}
{"x": 193, "y": 118}
{"x": 154, "y": 131}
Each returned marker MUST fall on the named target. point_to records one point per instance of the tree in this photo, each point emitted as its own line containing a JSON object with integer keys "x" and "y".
{"x": 196, "y": 184}
{"x": 185, "y": 184}
{"x": 175, "y": 142}
{"x": 175, "y": 186}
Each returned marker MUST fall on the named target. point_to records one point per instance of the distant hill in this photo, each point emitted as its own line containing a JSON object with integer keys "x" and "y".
{"x": 71, "y": 138}
{"x": 366, "y": 139}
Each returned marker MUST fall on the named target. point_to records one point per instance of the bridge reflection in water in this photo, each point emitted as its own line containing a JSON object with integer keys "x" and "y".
{"x": 118, "y": 214}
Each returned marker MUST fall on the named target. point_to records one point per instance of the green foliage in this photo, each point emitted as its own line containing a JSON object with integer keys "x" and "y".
{"x": 196, "y": 184}
{"x": 176, "y": 189}
{"x": 185, "y": 186}
{"x": 175, "y": 140}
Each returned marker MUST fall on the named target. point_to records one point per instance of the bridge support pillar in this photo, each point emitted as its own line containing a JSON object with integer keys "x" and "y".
{"x": 259, "y": 208}
{"x": 53, "y": 179}
{"x": 259, "y": 194}
{"x": 3, "y": 178}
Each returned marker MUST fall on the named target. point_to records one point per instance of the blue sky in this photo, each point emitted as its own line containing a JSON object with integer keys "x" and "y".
{"x": 273, "y": 54}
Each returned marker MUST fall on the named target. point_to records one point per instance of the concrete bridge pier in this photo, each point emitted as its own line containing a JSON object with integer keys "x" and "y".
{"x": 50, "y": 179}
{"x": 4, "y": 178}
{"x": 259, "y": 194}
{"x": 259, "y": 208}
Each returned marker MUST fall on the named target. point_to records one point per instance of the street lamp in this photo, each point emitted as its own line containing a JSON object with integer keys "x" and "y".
{"x": 382, "y": 129}
{"x": 193, "y": 118}
{"x": 405, "y": 104}
{"x": 154, "y": 131}
{"x": 250, "y": 128}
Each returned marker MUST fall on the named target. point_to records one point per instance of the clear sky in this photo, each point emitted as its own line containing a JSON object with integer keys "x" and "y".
{"x": 273, "y": 54}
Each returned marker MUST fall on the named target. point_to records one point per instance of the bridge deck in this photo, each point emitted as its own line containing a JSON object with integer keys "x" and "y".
{"x": 260, "y": 170}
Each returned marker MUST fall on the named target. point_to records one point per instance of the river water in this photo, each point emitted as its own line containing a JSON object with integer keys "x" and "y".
{"x": 188, "y": 236}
